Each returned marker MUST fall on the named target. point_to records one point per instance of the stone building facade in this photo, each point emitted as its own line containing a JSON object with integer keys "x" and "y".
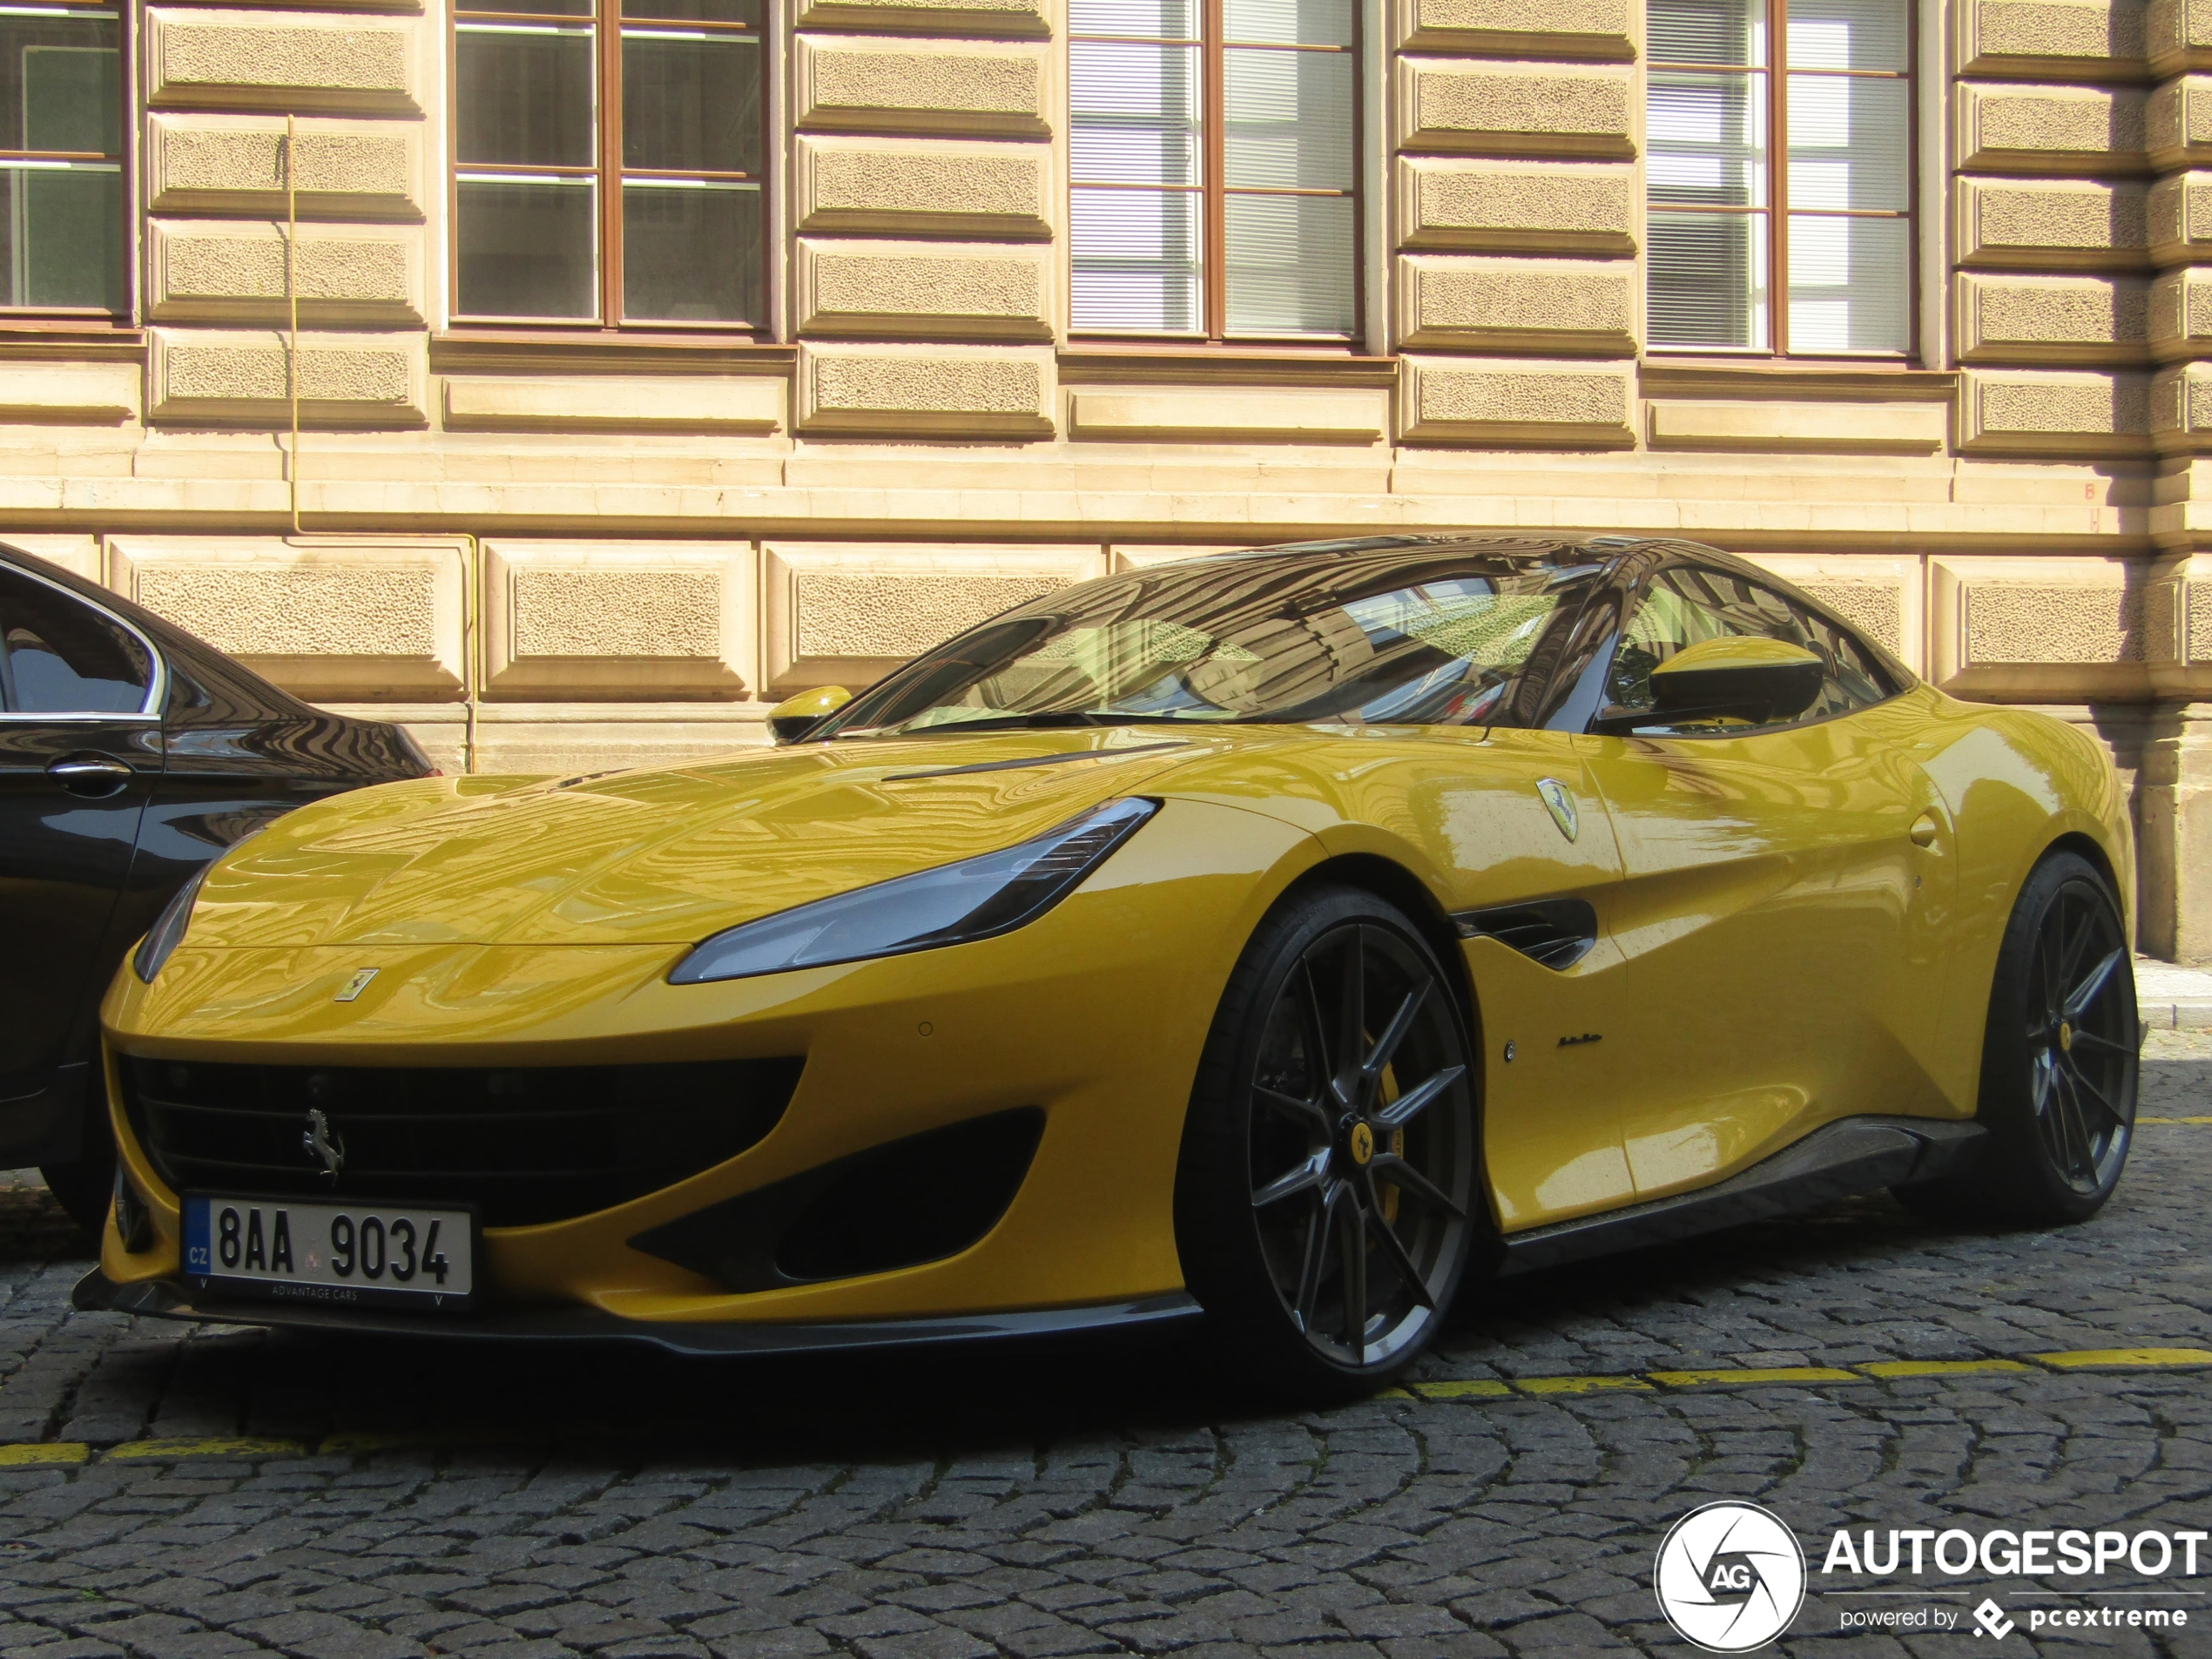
{"x": 550, "y": 542}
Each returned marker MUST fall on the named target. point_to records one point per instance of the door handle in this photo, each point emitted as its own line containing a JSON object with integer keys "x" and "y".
{"x": 92, "y": 775}
{"x": 1925, "y": 830}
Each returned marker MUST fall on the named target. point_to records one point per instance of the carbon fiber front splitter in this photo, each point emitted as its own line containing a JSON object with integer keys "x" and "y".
{"x": 162, "y": 1300}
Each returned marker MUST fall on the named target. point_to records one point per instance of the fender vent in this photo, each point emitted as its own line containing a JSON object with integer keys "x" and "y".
{"x": 1558, "y": 933}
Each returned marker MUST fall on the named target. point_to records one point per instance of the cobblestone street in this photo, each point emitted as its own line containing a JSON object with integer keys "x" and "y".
{"x": 198, "y": 1495}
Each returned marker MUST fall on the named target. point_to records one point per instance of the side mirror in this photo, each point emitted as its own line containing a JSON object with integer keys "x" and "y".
{"x": 1756, "y": 681}
{"x": 795, "y": 717}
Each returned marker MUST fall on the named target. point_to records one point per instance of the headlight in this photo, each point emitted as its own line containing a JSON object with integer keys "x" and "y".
{"x": 974, "y": 899}
{"x": 168, "y": 930}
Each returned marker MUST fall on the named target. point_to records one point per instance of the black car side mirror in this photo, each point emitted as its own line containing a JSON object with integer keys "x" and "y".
{"x": 1756, "y": 681}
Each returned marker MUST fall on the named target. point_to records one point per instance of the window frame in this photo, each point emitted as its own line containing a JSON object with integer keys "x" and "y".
{"x": 1899, "y": 681}
{"x": 607, "y": 174}
{"x": 1213, "y": 192}
{"x": 124, "y": 317}
{"x": 150, "y": 708}
{"x": 1777, "y": 72}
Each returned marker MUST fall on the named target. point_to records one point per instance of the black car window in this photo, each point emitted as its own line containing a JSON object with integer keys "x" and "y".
{"x": 59, "y": 655}
{"x": 1687, "y": 603}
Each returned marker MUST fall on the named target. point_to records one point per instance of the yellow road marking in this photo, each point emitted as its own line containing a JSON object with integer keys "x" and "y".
{"x": 2087, "y": 1358}
{"x": 1576, "y": 1385}
{"x": 2173, "y": 1120}
{"x": 213, "y": 1447}
{"x": 1470, "y": 1389}
{"x": 36, "y": 1456}
{"x": 1776, "y": 1374}
{"x": 1939, "y": 1368}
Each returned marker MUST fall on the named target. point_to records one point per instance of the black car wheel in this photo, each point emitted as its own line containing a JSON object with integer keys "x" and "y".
{"x": 1324, "y": 1202}
{"x": 2058, "y": 1060}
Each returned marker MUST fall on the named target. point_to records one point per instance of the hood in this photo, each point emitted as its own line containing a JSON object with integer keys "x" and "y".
{"x": 663, "y": 856}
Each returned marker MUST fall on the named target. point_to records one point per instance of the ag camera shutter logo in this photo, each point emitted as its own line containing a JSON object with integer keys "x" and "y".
{"x": 1731, "y": 1577}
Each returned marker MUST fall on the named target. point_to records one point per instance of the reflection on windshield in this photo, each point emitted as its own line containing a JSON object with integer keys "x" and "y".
{"x": 1440, "y": 637}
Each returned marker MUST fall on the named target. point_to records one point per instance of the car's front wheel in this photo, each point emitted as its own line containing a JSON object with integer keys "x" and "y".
{"x": 2058, "y": 1060}
{"x": 1325, "y": 1202}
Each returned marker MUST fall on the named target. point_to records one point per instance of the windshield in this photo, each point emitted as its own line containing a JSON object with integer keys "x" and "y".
{"x": 1388, "y": 637}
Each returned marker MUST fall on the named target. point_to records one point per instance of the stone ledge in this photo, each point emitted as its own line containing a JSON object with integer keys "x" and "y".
{"x": 1598, "y": 29}
{"x": 1705, "y": 423}
{"x": 1018, "y": 17}
{"x": 752, "y": 404}
{"x": 1259, "y": 417}
{"x": 70, "y": 395}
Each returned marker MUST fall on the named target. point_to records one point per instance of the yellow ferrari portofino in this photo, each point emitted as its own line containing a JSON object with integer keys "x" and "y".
{"x": 1270, "y": 938}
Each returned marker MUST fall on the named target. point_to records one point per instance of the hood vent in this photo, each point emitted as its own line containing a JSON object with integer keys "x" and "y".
{"x": 1558, "y": 933}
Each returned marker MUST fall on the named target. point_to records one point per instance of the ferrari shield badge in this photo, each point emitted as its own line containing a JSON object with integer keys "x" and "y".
{"x": 1560, "y": 800}
{"x": 358, "y": 983}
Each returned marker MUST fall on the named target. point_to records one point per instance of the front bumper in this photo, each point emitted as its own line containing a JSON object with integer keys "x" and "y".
{"x": 159, "y": 1300}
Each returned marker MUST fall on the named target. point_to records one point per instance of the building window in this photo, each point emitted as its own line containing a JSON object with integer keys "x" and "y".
{"x": 610, "y": 159}
{"x": 61, "y": 92}
{"x": 1827, "y": 222}
{"x": 1213, "y": 168}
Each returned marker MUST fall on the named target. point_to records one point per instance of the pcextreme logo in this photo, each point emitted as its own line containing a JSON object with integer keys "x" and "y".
{"x": 1731, "y": 1577}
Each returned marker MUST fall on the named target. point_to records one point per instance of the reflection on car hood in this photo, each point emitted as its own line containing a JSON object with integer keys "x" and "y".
{"x": 668, "y": 855}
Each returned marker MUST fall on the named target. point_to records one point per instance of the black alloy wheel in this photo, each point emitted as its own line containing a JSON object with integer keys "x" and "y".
{"x": 2059, "y": 1059}
{"x": 1326, "y": 1205}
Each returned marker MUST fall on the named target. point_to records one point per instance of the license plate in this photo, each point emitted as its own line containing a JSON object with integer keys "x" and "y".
{"x": 370, "y": 1254}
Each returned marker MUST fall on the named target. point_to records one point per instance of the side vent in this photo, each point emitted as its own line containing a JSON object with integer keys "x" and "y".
{"x": 1556, "y": 931}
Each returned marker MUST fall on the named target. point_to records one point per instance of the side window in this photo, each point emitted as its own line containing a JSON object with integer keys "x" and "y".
{"x": 60, "y": 656}
{"x": 1686, "y": 605}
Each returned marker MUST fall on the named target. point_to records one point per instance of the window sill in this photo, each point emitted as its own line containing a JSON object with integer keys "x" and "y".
{"x": 1094, "y": 363}
{"x": 1847, "y": 378}
{"x": 69, "y": 339}
{"x": 604, "y": 352}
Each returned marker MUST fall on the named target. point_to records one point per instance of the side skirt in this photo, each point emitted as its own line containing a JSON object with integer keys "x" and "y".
{"x": 1840, "y": 1160}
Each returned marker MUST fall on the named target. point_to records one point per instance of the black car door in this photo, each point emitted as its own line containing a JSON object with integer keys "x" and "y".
{"x": 80, "y": 752}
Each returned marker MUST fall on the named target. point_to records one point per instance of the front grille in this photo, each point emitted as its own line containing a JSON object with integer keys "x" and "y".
{"x": 523, "y": 1143}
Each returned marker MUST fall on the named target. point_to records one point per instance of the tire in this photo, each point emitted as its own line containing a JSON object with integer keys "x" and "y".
{"x": 2058, "y": 1062}
{"x": 1325, "y": 1212}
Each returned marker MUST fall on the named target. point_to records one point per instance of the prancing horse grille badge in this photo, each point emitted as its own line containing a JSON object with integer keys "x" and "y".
{"x": 323, "y": 1143}
{"x": 1561, "y": 802}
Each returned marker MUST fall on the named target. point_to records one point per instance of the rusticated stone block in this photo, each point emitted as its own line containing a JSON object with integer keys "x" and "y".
{"x": 2178, "y": 35}
{"x": 916, "y": 290}
{"x": 607, "y": 621}
{"x": 1539, "y": 306}
{"x": 234, "y": 163}
{"x": 2178, "y": 219}
{"x": 212, "y": 271}
{"x": 2180, "y": 315}
{"x": 2052, "y": 319}
{"x": 1280, "y": 414}
{"x": 1557, "y": 207}
{"x": 69, "y": 393}
{"x": 846, "y": 614}
{"x": 346, "y": 623}
{"x": 940, "y": 186}
{"x": 1530, "y": 28}
{"x": 1508, "y": 403}
{"x": 615, "y": 403}
{"x": 927, "y": 17}
{"x": 311, "y": 63}
{"x": 2041, "y": 629}
{"x": 345, "y": 379}
{"x": 2182, "y": 409}
{"x": 900, "y": 86}
{"x": 949, "y": 390}
{"x": 2177, "y": 123}
{"x": 2059, "y": 223}
{"x": 2050, "y": 129}
{"x": 2055, "y": 413}
{"x": 2085, "y": 39}
{"x": 1516, "y": 109}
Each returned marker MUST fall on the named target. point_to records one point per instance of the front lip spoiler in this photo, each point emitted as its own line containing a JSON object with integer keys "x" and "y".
{"x": 160, "y": 1299}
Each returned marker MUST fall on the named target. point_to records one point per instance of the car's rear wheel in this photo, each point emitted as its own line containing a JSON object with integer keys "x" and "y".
{"x": 1324, "y": 1202}
{"x": 2058, "y": 1060}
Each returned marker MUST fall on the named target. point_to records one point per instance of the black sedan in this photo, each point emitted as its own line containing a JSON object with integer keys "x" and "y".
{"x": 130, "y": 754}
